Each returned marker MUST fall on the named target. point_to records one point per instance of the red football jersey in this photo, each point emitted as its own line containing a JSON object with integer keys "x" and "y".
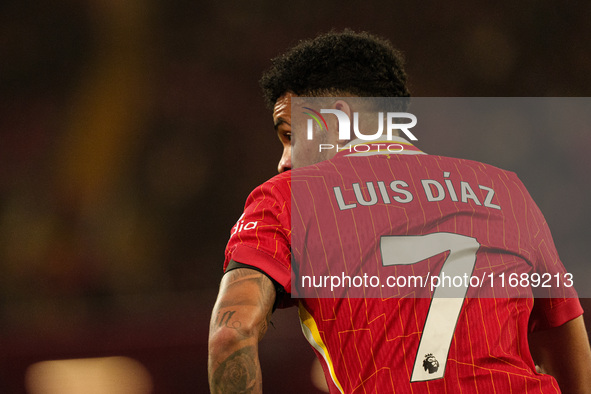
{"x": 389, "y": 214}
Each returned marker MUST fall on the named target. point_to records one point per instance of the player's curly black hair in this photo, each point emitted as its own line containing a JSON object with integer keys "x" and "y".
{"x": 337, "y": 64}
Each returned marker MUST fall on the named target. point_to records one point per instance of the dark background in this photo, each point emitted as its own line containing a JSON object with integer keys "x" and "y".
{"x": 131, "y": 133}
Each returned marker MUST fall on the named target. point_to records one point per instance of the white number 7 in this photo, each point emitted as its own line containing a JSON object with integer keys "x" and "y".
{"x": 447, "y": 302}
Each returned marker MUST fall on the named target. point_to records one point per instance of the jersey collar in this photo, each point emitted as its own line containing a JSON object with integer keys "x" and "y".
{"x": 397, "y": 145}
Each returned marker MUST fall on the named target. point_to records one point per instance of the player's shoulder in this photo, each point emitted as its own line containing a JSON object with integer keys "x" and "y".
{"x": 280, "y": 183}
{"x": 280, "y": 179}
{"x": 420, "y": 161}
{"x": 487, "y": 173}
{"x": 470, "y": 164}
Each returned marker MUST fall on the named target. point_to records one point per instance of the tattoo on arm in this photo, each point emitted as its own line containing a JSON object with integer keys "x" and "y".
{"x": 238, "y": 373}
{"x": 240, "y": 319}
{"x": 239, "y": 278}
{"x": 225, "y": 320}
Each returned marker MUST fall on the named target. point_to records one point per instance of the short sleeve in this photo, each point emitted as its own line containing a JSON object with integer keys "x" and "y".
{"x": 261, "y": 237}
{"x": 558, "y": 303}
{"x": 553, "y": 312}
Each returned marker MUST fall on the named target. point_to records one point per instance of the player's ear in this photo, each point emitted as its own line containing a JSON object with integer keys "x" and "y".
{"x": 344, "y": 106}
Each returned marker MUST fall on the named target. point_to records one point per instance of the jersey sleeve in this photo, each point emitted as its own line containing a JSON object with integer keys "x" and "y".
{"x": 261, "y": 237}
{"x": 558, "y": 303}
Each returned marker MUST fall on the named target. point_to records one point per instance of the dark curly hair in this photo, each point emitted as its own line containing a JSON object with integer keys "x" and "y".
{"x": 337, "y": 64}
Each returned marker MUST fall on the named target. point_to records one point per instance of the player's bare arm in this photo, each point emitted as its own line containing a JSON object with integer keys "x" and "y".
{"x": 239, "y": 321}
{"x": 564, "y": 353}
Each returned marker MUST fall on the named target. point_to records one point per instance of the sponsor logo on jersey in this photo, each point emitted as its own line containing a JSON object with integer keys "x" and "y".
{"x": 241, "y": 226}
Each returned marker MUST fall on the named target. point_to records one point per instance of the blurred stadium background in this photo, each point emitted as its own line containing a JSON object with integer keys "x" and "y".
{"x": 132, "y": 131}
